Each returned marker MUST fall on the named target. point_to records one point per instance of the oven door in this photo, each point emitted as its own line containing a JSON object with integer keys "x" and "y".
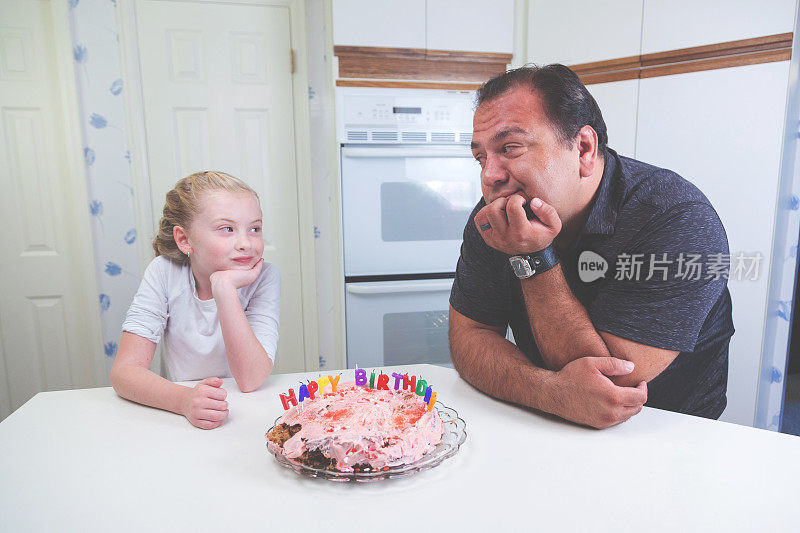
{"x": 397, "y": 323}
{"x": 405, "y": 207}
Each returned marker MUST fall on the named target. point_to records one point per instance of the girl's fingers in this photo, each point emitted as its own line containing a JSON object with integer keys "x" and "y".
{"x": 216, "y": 393}
{"x": 206, "y": 424}
{"x": 212, "y": 415}
{"x": 216, "y": 405}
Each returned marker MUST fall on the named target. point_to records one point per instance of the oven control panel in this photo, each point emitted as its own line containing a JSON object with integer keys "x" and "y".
{"x": 367, "y": 115}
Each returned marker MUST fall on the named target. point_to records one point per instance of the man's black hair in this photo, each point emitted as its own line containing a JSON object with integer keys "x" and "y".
{"x": 567, "y": 103}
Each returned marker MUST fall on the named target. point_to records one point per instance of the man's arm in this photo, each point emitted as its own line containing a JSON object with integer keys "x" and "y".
{"x": 560, "y": 324}
{"x": 564, "y": 332}
{"x": 580, "y": 391}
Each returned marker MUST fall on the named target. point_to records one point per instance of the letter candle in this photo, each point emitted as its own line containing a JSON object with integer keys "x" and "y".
{"x": 383, "y": 381}
{"x": 312, "y": 388}
{"x": 323, "y": 382}
{"x": 335, "y": 381}
{"x": 303, "y": 393}
{"x": 410, "y": 383}
{"x": 432, "y": 401}
{"x": 288, "y": 398}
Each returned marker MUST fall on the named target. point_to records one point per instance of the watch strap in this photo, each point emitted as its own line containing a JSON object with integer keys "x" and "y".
{"x": 539, "y": 262}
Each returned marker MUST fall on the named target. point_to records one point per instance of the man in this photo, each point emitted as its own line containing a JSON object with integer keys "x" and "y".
{"x": 589, "y": 348}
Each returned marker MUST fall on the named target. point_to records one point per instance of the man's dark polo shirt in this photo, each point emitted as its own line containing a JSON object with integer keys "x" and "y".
{"x": 638, "y": 209}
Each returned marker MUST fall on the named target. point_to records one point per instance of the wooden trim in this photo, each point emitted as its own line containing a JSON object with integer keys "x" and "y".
{"x": 359, "y": 62}
{"x": 730, "y": 48}
{"x": 753, "y": 51}
{"x": 409, "y": 84}
{"x": 717, "y": 63}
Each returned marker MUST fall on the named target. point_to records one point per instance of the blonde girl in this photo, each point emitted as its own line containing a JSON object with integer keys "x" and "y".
{"x": 211, "y": 298}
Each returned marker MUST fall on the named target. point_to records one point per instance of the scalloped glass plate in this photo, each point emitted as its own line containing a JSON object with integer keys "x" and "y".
{"x": 453, "y": 437}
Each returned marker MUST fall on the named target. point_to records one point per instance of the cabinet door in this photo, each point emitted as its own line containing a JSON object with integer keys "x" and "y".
{"x": 674, "y": 24}
{"x": 617, "y": 101}
{"x": 388, "y": 23}
{"x": 470, "y": 25}
{"x": 583, "y": 31}
{"x": 722, "y": 130}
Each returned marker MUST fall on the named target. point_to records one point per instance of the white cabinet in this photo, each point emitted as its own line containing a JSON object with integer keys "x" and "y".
{"x": 617, "y": 101}
{"x": 464, "y": 25}
{"x": 674, "y": 24}
{"x": 470, "y": 25}
{"x": 387, "y": 23}
{"x": 722, "y": 130}
{"x": 583, "y": 31}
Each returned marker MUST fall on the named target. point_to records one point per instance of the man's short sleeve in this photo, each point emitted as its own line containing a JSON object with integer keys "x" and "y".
{"x": 684, "y": 253}
{"x": 263, "y": 309}
{"x": 479, "y": 289}
{"x": 147, "y": 316}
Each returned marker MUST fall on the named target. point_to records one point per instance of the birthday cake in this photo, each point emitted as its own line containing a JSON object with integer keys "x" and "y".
{"x": 359, "y": 426}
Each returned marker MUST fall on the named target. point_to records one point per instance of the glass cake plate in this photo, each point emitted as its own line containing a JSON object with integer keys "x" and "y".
{"x": 453, "y": 437}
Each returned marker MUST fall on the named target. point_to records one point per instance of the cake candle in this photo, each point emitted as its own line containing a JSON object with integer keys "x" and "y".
{"x": 323, "y": 382}
{"x": 303, "y": 393}
{"x": 286, "y": 399}
{"x": 312, "y": 388}
{"x": 383, "y": 381}
{"x": 335, "y": 381}
{"x": 432, "y": 401}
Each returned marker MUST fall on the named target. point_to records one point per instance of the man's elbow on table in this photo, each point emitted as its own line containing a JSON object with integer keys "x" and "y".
{"x": 649, "y": 361}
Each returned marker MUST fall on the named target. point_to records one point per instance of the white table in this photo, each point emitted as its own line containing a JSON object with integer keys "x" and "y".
{"x": 87, "y": 460}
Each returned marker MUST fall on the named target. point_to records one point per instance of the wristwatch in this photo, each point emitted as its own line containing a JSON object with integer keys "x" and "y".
{"x": 527, "y": 266}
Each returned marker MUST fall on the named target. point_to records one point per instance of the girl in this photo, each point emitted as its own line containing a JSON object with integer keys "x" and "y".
{"x": 212, "y": 298}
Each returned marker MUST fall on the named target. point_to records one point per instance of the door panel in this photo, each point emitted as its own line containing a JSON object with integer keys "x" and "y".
{"x": 45, "y": 317}
{"x": 217, "y": 87}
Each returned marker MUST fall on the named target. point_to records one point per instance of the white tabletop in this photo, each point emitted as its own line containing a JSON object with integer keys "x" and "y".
{"x": 87, "y": 460}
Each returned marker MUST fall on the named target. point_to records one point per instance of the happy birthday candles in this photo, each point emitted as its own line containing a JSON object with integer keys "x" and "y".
{"x": 380, "y": 381}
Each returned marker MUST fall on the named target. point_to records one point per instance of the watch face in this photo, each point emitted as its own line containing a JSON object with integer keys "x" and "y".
{"x": 521, "y": 267}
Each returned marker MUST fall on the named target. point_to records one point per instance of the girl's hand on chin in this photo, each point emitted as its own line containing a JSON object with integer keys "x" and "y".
{"x": 235, "y": 278}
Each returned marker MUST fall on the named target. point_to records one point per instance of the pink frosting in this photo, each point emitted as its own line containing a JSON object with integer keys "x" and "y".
{"x": 357, "y": 425}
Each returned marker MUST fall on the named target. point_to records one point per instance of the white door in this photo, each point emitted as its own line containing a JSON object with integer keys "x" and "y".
{"x": 217, "y": 88}
{"x": 49, "y": 318}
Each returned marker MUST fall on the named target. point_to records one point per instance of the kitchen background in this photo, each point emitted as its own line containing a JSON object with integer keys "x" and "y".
{"x": 724, "y": 116}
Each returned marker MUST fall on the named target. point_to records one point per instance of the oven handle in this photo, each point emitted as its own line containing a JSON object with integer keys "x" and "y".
{"x": 392, "y": 288}
{"x": 350, "y": 151}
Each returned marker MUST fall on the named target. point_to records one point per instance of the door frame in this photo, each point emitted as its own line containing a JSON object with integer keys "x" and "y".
{"x": 133, "y": 103}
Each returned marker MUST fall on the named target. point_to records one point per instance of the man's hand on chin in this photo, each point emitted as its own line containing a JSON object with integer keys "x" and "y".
{"x": 504, "y": 225}
{"x": 582, "y": 393}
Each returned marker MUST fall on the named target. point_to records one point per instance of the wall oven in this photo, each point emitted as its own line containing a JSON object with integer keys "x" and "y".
{"x": 409, "y": 183}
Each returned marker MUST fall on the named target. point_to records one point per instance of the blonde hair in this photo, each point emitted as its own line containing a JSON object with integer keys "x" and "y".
{"x": 183, "y": 204}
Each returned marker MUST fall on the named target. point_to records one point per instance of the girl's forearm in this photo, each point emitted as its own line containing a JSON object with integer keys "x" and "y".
{"x": 143, "y": 386}
{"x": 249, "y": 362}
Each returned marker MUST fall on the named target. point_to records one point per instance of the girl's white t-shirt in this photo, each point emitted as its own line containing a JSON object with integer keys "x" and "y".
{"x": 167, "y": 305}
